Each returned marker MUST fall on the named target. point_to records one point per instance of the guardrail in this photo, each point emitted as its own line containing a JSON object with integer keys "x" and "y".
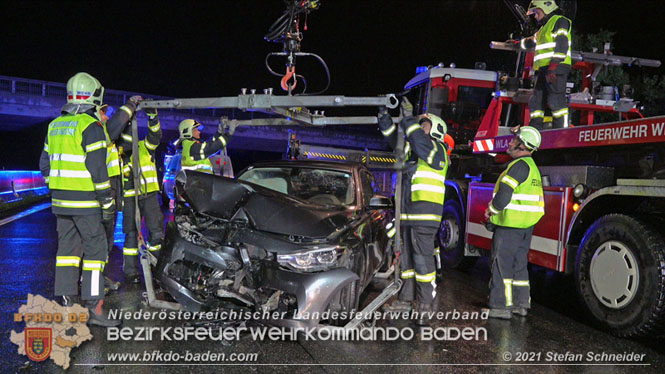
{"x": 20, "y": 187}
{"x": 34, "y": 87}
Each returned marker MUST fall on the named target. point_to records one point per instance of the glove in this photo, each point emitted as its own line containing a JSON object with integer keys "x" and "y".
{"x": 223, "y": 122}
{"x": 226, "y": 126}
{"x": 151, "y": 113}
{"x": 135, "y": 99}
{"x": 550, "y": 76}
{"x": 133, "y": 102}
{"x": 407, "y": 108}
{"x": 385, "y": 120}
{"x": 108, "y": 209}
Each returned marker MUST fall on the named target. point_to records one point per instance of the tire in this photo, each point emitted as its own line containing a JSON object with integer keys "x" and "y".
{"x": 620, "y": 250}
{"x": 450, "y": 238}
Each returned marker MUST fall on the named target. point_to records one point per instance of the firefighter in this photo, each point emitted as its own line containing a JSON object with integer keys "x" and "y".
{"x": 73, "y": 164}
{"x": 148, "y": 197}
{"x": 113, "y": 168}
{"x": 518, "y": 204}
{"x": 423, "y": 190}
{"x": 195, "y": 154}
{"x": 551, "y": 62}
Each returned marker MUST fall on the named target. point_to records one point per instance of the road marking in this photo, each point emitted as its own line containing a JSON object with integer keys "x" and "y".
{"x": 24, "y": 213}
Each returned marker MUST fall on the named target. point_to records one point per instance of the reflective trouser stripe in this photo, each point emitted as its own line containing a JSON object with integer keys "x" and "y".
{"x": 426, "y": 278}
{"x": 508, "y": 289}
{"x": 408, "y": 274}
{"x": 75, "y": 203}
{"x": 93, "y": 265}
{"x": 67, "y": 261}
{"x": 130, "y": 251}
{"x": 152, "y": 248}
{"x": 521, "y": 283}
{"x": 537, "y": 114}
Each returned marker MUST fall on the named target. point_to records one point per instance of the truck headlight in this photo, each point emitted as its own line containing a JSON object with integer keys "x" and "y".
{"x": 311, "y": 260}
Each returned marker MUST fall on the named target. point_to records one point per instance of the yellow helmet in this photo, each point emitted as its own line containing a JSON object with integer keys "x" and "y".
{"x": 187, "y": 127}
{"x": 547, "y": 6}
{"x": 83, "y": 88}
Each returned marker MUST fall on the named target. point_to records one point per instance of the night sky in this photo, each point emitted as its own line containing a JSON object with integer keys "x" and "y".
{"x": 213, "y": 48}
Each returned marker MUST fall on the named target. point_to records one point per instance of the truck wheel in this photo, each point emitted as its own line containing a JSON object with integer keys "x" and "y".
{"x": 451, "y": 238}
{"x": 620, "y": 275}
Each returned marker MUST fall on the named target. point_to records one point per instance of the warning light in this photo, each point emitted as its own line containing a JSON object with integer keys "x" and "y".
{"x": 421, "y": 69}
{"x": 576, "y": 207}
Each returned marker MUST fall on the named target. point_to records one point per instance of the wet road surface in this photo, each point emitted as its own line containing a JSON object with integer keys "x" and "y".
{"x": 555, "y": 325}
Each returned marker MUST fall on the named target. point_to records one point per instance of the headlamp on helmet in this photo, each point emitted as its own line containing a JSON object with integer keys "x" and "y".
{"x": 83, "y": 88}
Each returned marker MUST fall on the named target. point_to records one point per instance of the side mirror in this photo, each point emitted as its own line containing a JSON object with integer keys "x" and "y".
{"x": 380, "y": 202}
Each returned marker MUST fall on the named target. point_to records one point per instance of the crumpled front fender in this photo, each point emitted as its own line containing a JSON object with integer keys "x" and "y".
{"x": 313, "y": 291}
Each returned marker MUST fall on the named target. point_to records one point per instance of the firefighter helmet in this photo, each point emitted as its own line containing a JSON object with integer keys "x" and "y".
{"x": 547, "y": 6}
{"x": 83, "y": 88}
{"x": 187, "y": 127}
{"x": 530, "y": 137}
{"x": 439, "y": 128}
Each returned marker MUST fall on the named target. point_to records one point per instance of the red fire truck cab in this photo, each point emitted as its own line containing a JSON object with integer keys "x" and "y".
{"x": 604, "y": 186}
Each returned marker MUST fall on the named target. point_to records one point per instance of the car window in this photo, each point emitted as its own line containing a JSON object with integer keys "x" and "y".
{"x": 367, "y": 182}
{"x": 319, "y": 186}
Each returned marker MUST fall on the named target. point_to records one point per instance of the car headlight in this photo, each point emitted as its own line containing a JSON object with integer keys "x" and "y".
{"x": 311, "y": 260}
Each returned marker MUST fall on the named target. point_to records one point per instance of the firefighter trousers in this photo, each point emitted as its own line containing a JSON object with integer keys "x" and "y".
{"x": 154, "y": 221}
{"x": 417, "y": 264}
{"x": 109, "y": 226}
{"x": 82, "y": 255}
{"x": 509, "y": 284}
{"x": 553, "y": 94}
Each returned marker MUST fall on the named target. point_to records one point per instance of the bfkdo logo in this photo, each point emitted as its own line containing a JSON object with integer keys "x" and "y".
{"x": 38, "y": 343}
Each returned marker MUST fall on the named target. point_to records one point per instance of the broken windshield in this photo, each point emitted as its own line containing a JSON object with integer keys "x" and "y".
{"x": 319, "y": 186}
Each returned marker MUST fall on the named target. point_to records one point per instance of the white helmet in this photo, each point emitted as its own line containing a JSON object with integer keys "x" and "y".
{"x": 439, "y": 127}
{"x": 83, "y": 88}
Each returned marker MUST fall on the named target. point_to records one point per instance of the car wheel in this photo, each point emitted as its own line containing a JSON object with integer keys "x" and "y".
{"x": 620, "y": 275}
{"x": 451, "y": 238}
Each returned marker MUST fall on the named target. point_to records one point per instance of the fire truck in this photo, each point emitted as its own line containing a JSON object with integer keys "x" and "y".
{"x": 604, "y": 183}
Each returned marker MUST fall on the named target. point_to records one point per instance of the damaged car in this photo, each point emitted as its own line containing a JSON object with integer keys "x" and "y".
{"x": 296, "y": 237}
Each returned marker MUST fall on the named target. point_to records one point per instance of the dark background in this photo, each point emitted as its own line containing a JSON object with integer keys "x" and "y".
{"x": 213, "y": 48}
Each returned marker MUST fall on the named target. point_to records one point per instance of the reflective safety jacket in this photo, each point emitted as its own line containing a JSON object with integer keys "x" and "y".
{"x": 423, "y": 183}
{"x": 195, "y": 154}
{"x": 112, "y": 156}
{"x": 553, "y": 43}
{"x": 148, "y": 177}
{"x": 73, "y": 164}
{"x": 526, "y": 204}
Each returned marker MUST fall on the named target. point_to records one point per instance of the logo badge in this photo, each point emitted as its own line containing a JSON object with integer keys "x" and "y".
{"x": 38, "y": 343}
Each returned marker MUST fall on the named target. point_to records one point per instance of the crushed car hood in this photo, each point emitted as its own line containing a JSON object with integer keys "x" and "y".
{"x": 265, "y": 209}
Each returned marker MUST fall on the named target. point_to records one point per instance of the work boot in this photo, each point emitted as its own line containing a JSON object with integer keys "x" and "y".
{"x": 110, "y": 285}
{"x": 133, "y": 278}
{"x": 69, "y": 300}
{"x": 424, "y": 314}
{"x": 96, "y": 314}
{"x": 500, "y": 313}
{"x": 398, "y": 306}
{"x": 521, "y": 311}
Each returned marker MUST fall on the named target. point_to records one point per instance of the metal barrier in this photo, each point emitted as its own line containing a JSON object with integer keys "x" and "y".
{"x": 18, "y": 187}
